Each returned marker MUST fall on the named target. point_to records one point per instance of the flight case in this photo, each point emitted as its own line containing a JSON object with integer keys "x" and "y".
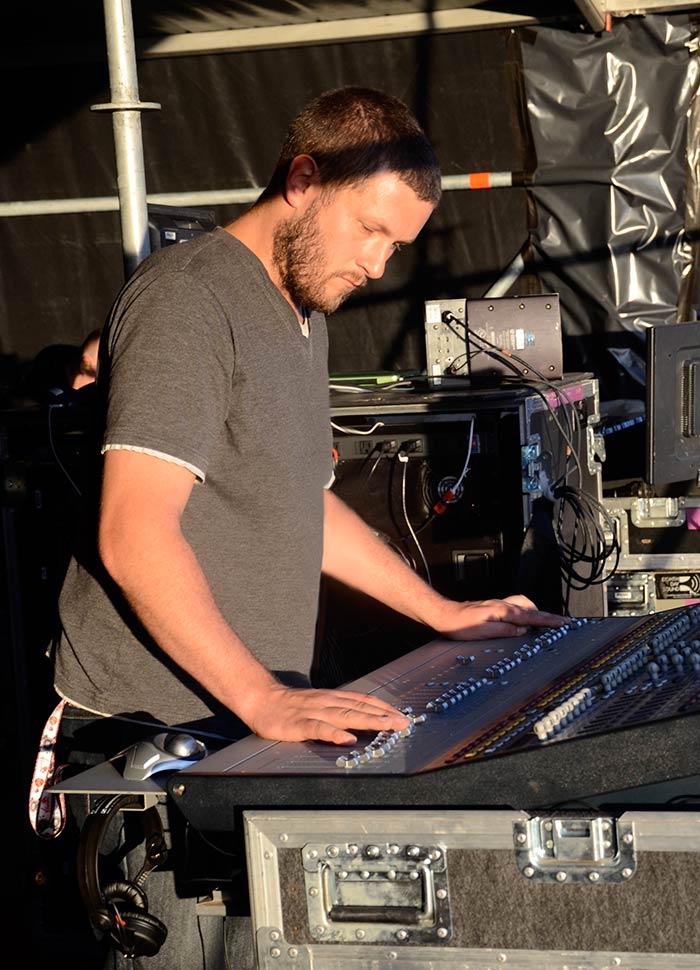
{"x": 513, "y": 435}
{"x": 659, "y": 567}
{"x": 474, "y": 890}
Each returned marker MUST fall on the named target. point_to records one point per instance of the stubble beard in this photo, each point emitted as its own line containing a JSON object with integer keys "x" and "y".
{"x": 300, "y": 259}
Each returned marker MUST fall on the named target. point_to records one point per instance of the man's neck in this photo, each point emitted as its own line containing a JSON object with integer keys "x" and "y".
{"x": 255, "y": 229}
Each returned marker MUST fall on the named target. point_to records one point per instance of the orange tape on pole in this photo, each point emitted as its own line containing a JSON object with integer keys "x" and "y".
{"x": 480, "y": 180}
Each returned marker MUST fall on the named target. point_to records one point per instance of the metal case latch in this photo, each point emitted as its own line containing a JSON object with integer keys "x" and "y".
{"x": 658, "y": 513}
{"x": 531, "y": 461}
{"x": 382, "y": 892}
{"x": 575, "y": 850}
{"x": 595, "y": 449}
{"x": 631, "y": 594}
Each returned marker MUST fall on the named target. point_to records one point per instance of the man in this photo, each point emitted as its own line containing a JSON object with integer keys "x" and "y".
{"x": 214, "y": 521}
{"x": 86, "y": 372}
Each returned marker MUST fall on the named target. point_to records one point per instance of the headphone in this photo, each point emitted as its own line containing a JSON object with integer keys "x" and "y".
{"x": 120, "y": 909}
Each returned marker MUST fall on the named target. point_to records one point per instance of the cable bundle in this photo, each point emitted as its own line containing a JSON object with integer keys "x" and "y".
{"x": 583, "y": 557}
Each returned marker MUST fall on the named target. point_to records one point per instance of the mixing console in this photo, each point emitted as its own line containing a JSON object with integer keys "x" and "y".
{"x": 511, "y": 701}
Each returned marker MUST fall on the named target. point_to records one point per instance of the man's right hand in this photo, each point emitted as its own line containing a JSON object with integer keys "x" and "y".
{"x": 305, "y": 714}
{"x": 146, "y": 553}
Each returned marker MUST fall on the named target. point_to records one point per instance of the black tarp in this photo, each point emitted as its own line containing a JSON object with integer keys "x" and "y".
{"x": 221, "y": 123}
{"x": 220, "y": 127}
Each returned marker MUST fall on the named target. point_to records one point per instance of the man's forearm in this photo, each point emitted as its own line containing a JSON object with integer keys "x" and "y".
{"x": 143, "y": 549}
{"x": 161, "y": 578}
{"x": 353, "y": 554}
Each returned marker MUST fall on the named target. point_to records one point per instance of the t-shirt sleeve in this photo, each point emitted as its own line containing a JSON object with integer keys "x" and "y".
{"x": 171, "y": 363}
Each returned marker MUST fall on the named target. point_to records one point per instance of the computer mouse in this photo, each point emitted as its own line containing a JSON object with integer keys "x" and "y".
{"x": 183, "y": 746}
{"x": 166, "y": 751}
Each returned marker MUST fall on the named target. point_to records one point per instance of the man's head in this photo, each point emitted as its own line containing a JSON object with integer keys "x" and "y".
{"x": 353, "y": 133}
{"x": 87, "y": 368}
{"x": 357, "y": 178}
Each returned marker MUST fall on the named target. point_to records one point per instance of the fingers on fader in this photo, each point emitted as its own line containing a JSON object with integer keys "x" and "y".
{"x": 322, "y": 731}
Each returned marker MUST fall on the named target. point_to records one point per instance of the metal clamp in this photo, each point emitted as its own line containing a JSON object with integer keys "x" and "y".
{"x": 575, "y": 850}
{"x": 658, "y": 513}
{"x": 531, "y": 463}
{"x": 595, "y": 448}
{"x": 631, "y": 594}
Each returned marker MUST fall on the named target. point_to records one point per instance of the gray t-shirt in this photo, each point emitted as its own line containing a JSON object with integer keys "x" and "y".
{"x": 209, "y": 367}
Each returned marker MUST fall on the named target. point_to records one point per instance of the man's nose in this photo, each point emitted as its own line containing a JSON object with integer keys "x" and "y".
{"x": 373, "y": 261}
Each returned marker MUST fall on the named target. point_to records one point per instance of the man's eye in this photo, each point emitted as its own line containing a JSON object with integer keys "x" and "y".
{"x": 366, "y": 228}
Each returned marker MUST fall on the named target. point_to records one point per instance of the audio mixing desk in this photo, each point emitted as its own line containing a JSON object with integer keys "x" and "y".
{"x": 481, "y": 833}
{"x": 596, "y": 706}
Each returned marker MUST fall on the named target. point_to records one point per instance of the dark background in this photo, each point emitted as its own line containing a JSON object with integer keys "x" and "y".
{"x": 220, "y": 126}
{"x": 221, "y": 123}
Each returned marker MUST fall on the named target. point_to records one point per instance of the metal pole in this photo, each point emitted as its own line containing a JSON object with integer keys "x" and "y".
{"x": 108, "y": 203}
{"x": 126, "y": 111}
{"x": 504, "y": 283}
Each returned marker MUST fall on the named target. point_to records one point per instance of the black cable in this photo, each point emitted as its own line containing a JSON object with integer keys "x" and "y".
{"x": 583, "y": 556}
{"x": 431, "y": 496}
{"x": 56, "y": 455}
{"x": 692, "y": 799}
{"x": 201, "y": 940}
{"x": 566, "y": 434}
{"x": 448, "y": 319}
{"x": 504, "y": 357}
{"x": 431, "y": 518}
{"x": 586, "y": 554}
{"x": 469, "y": 355}
{"x": 212, "y": 845}
{"x": 573, "y": 421}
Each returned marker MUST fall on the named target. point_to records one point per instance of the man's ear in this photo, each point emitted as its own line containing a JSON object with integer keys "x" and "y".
{"x": 302, "y": 182}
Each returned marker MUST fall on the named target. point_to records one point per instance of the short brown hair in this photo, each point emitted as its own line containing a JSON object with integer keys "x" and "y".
{"x": 353, "y": 133}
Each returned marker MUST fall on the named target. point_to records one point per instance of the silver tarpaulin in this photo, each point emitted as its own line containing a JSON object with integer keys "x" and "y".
{"x": 611, "y": 113}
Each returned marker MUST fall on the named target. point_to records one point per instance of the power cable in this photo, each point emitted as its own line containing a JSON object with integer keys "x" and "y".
{"x": 403, "y": 458}
{"x": 585, "y": 555}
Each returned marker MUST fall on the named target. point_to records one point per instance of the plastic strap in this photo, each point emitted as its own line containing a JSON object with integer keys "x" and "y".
{"x": 47, "y": 811}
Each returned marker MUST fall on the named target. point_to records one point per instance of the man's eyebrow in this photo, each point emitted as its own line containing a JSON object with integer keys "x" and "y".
{"x": 397, "y": 242}
{"x": 380, "y": 227}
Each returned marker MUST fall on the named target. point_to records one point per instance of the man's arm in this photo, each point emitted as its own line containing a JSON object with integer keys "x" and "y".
{"x": 353, "y": 554}
{"x": 145, "y": 552}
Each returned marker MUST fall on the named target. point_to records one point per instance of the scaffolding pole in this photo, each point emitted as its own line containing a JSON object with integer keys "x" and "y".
{"x": 126, "y": 109}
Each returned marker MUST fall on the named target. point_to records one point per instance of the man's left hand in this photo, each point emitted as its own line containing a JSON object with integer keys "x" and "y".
{"x": 486, "y": 619}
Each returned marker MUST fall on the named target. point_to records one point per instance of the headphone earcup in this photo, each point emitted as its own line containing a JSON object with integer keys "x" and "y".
{"x": 120, "y": 911}
{"x": 102, "y": 920}
{"x": 142, "y": 935}
{"x": 127, "y": 893}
